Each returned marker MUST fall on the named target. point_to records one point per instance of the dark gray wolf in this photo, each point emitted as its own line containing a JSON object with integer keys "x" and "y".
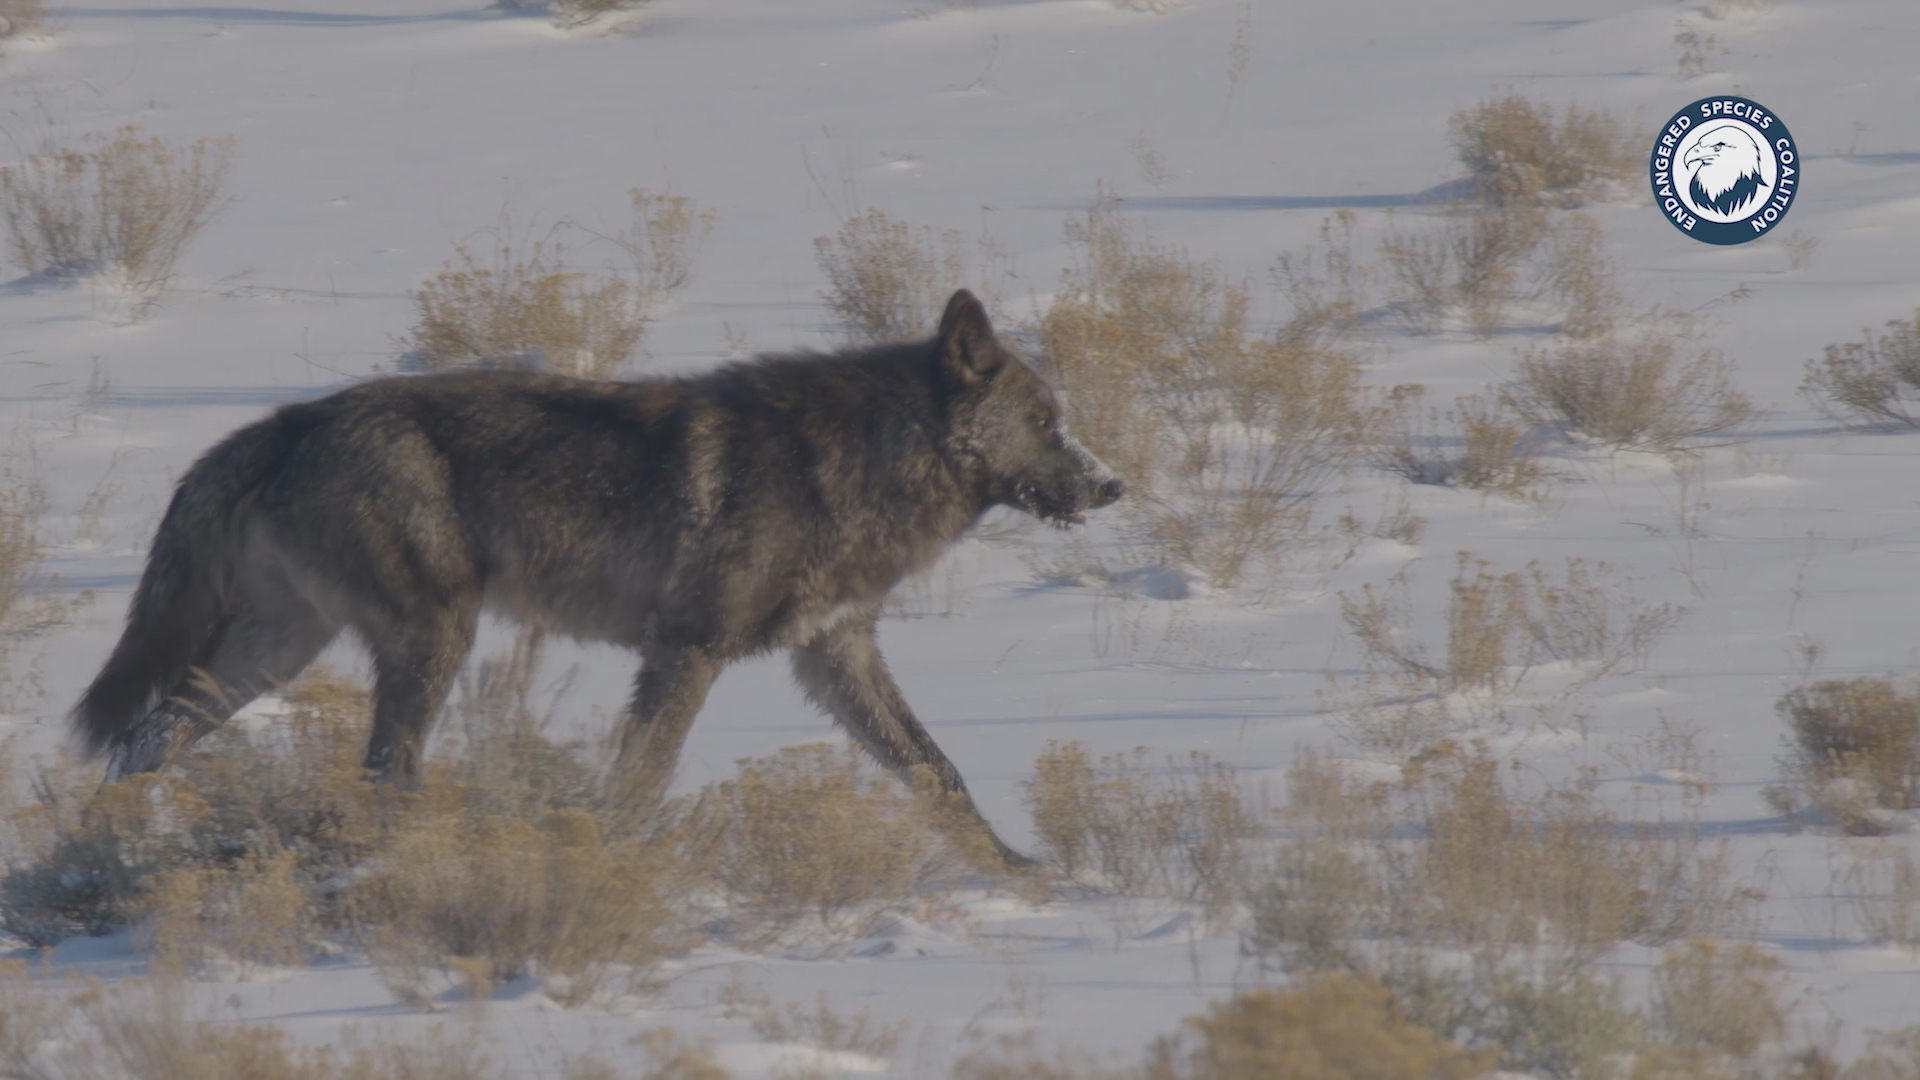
{"x": 768, "y": 504}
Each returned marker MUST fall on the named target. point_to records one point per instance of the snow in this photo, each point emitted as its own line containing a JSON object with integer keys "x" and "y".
{"x": 373, "y": 137}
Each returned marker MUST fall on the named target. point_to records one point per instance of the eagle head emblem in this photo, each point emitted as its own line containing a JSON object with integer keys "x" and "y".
{"x": 1726, "y": 169}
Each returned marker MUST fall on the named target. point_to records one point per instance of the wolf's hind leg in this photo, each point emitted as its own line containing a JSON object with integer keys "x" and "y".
{"x": 273, "y": 635}
{"x": 671, "y": 687}
{"x": 412, "y": 677}
{"x": 843, "y": 672}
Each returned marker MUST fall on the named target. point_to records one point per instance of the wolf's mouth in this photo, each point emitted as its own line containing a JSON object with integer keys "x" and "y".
{"x": 1032, "y": 498}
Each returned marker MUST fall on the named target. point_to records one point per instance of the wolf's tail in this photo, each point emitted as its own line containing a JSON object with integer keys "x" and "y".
{"x": 185, "y": 595}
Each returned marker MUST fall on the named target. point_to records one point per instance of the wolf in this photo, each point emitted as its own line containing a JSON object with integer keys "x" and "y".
{"x": 767, "y": 504}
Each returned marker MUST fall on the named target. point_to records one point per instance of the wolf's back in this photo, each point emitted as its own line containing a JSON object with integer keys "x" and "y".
{"x": 183, "y": 599}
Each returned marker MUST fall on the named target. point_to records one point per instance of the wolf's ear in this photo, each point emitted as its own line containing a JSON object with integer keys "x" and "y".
{"x": 965, "y": 345}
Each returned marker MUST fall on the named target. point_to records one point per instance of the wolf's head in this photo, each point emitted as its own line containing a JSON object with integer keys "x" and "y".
{"x": 1006, "y": 421}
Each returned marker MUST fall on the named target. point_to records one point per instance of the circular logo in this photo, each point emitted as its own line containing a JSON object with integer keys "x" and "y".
{"x": 1724, "y": 170}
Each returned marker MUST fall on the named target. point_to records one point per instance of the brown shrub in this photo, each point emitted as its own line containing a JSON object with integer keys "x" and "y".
{"x": 672, "y": 1057}
{"x": 815, "y": 844}
{"x": 1872, "y": 381}
{"x": 127, "y": 205}
{"x": 1480, "y": 444}
{"x": 1336, "y": 1027}
{"x": 1519, "y": 153}
{"x": 888, "y": 281}
{"x": 1184, "y": 833}
{"x": 1717, "y": 1003}
{"x": 1501, "y": 625}
{"x": 1553, "y": 875}
{"x": 1325, "y": 289}
{"x": 1649, "y": 388}
{"x": 1225, "y": 440}
{"x": 499, "y": 898}
{"x": 1884, "y": 886}
{"x": 1854, "y": 751}
{"x": 523, "y": 305}
{"x": 1470, "y": 262}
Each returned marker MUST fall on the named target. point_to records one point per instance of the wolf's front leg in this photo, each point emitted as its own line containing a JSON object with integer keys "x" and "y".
{"x": 672, "y": 686}
{"x": 843, "y": 672}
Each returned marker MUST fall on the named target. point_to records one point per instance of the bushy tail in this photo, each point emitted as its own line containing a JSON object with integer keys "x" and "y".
{"x": 185, "y": 595}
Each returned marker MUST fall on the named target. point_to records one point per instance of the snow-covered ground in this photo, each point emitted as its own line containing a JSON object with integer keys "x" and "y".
{"x": 373, "y": 136}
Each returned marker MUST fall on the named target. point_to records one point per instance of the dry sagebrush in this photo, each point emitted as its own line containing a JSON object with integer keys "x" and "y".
{"x": 1471, "y": 261}
{"x": 1649, "y": 386}
{"x": 1521, "y": 152}
{"x": 1186, "y": 832}
{"x": 524, "y": 305}
{"x": 814, "y": 845}
{"x": 1225, "y": 439}
{"x": 125, "y": 205}
{"x": 1872, "y": 381}
{"x": 1853, "y": 753}
{"x": 887, "y": 280}
{"x": 1480, "y": 444}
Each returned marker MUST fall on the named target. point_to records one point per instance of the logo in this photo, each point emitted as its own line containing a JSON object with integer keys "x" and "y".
{"x": 1724, "y": 170}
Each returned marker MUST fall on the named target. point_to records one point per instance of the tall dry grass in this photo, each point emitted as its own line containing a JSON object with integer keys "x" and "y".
{"x": 1225, "y": 439}
{"x": 125, "y": 205}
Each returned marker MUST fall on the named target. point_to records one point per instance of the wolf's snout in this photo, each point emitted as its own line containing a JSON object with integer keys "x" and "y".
{"x": 1108, "y": 493}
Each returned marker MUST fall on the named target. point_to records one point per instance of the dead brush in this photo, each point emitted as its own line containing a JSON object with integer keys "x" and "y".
{"x": 1651, "y": 387}
{"x": 1333, "y": 1027}
{"x": 497, "y": 898}
{"x": 501, "y": 754}
{"x": 1479, "y": 444}
{"x": 1873, "y": 381}
{"x": 29, "y": 607}
{"x": 818, "y": 1025}
{"x": 1501, "y": 625}
{"x": 1226, "y": 440}
{"x": 1326, "y": 289}
{"x": 814, "y": 845}
{"x": 1853, "y": 753}
{"x": 1715, "y": 1008}
{"x": 887, "y": 280}
{"x": 522, "y": 304}
{"x": 153, "y": 1029}
{"x": 223, "y": 853}
{"x": 1883, "y": 883}
{"x": 124, "y": 205}
{"x": 1520, "y": 153}
{"x": 1470, "y": 262}
{"x": 1185, "y": 833}
{"x": 1583, "y": 279}
{"x": 1454, "y": 856}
